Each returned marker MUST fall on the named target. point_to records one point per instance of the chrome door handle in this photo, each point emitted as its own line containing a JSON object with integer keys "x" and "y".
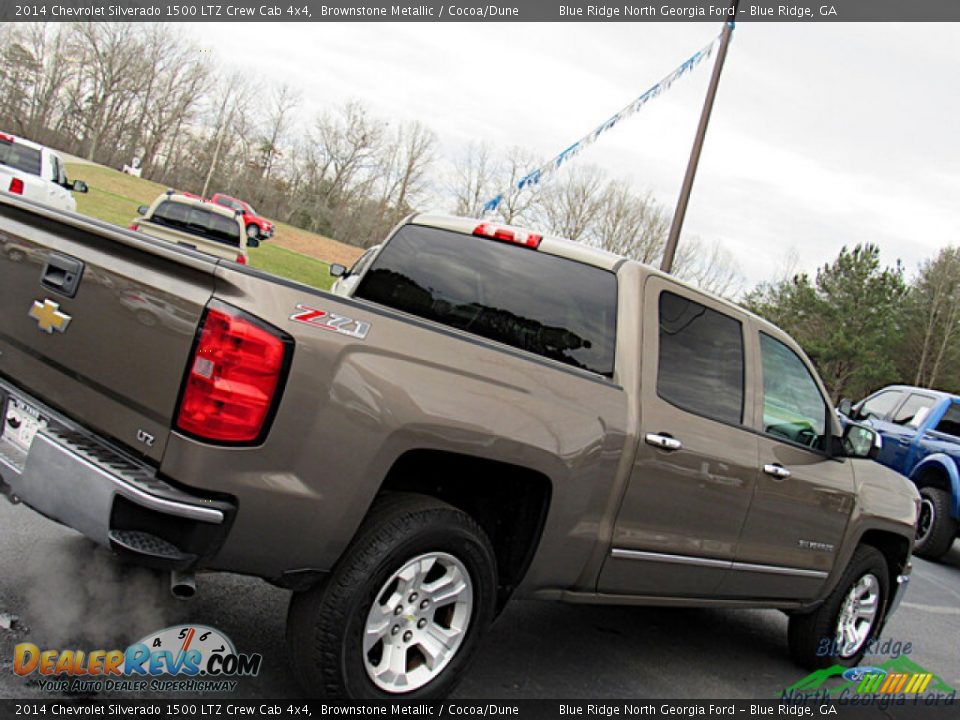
{"x": 664, "y": 442}
{"x": 776, "y": 471}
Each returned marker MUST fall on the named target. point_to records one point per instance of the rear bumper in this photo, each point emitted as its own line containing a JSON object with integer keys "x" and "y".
{"x": 79, "y": 480}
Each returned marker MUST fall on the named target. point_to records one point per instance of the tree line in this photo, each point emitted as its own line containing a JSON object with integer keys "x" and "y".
{"x": 866, "y": 325}
{"x": 113, "y": 91}
{"x": 110, "y": 92}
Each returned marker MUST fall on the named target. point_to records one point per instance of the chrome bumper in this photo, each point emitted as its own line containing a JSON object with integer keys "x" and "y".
{"x": 74, "y": 478}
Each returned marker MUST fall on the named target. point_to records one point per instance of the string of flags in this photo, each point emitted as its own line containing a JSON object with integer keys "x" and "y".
{"x": 534, "y": 177}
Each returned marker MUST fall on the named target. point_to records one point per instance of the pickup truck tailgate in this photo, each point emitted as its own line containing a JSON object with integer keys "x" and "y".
{"x": 112, "y": 355}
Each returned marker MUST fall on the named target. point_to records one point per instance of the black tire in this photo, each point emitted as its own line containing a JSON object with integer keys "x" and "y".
{"x": 936, "y": 531}
{"x": 813, "y": 636}
{"x": 325, "y": 625}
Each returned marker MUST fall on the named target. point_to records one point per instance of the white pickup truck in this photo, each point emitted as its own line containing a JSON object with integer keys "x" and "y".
{"x": 37, "y": 173}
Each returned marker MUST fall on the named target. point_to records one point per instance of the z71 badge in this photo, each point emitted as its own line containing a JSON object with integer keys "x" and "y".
{"x": 331, "y": 321}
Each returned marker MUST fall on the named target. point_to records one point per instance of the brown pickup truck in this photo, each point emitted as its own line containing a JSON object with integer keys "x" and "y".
{"x": 490, "y": 412}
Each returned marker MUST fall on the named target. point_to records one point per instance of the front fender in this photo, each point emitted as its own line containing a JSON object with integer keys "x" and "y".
{"x": 942, "y": 461}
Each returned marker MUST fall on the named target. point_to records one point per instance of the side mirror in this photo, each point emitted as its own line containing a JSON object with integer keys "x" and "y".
{"x": 861, "y": 442}
{"x": 143, "y": 210}
{"x": 338, "y": 270}
{"x": 79, "y": 186}
{"x": 253, "y": 242}
{"x": 845, "y": 407}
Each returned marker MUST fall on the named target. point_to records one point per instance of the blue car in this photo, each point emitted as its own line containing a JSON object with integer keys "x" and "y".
{"x": 920, "y": 430}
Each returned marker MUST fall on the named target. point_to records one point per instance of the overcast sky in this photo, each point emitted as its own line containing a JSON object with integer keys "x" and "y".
{"x": 822, "y": 135}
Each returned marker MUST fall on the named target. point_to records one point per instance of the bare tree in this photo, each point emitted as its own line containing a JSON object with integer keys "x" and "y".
{"x": 631, "y": 225}
{"x": 517, "y": 203}
{"x": 107, "y": 77}
{"x": 709, "y": 266}
{"x": 473, "y": 180}
{"x": 570, "y": 206}
{"x": 284, "y": 101}
{"x": 934, "y": 316}
{"x": 405, "y": 163}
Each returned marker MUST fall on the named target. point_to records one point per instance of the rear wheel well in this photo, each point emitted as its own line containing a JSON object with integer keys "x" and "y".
{"x": 509, "y": 502}
{"x": 895, "y": 550}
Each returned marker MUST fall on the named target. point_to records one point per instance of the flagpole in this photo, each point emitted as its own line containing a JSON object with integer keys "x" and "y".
{"x": 671, "y": 248}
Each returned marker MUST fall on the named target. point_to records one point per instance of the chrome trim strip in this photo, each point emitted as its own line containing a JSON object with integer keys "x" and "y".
{"x": 712, "y": 563}
{"x": 667, "y": 558}
{"x": 777, "y": 570}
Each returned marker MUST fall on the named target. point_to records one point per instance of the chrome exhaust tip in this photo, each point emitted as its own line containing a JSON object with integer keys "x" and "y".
{"x": 183, "y": 586}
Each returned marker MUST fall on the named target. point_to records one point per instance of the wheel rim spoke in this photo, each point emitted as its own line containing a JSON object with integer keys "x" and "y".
{"x": 857, "y": 613}
{"x": 413, "y": 635}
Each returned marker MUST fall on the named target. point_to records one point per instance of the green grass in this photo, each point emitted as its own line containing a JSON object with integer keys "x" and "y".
{"x": 115, "y": 197}
{"x": 291, "y": 265}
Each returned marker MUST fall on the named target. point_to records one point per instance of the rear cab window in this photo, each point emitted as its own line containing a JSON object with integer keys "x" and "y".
{"x": 20, "y": 157}
{"x": 553, "y": 307}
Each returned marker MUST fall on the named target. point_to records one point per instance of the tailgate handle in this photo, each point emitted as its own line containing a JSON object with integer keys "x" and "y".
{"x": 62, "y": 274}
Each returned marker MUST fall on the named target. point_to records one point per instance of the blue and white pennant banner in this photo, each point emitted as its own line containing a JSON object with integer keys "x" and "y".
{"x": 534, "y": 178}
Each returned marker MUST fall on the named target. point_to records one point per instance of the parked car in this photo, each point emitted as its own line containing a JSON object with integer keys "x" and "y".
{"x": 36, "y": 173}
{"x": 920, "y": 429}
{"x": 491, "y": 413}
{"x": 192, "y": 222}
{"x": 347, "y": 280}
{"x": 256, "y": 227}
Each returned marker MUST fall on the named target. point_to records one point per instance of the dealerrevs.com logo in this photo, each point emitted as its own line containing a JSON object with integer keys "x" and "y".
{"x": 193, "y": 658}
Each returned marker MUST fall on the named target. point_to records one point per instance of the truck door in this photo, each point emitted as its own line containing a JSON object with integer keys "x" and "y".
{"x": 903, "y": 429}
{"x": 803, "y": 498}
{"x": 695, "y": 467}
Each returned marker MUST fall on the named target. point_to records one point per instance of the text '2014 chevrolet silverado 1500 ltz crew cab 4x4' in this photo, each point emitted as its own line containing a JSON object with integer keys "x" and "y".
{"x": 490, "y": 412}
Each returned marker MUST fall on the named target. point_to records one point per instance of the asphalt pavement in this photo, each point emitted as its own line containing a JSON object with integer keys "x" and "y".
{"x": 67, "y": 593}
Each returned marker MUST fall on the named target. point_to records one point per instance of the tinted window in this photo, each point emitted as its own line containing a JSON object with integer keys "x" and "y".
{"x": 20, "y": 157}
{"x": 950, "y": 422}
{"x": 914, "y": 410}
{"x": 793, "y": 408}
{"x": 198, "y": 221}
{"x": 880, "y": 405}
{"x": 701, "y": 359}
{"x": 544, "y": 304}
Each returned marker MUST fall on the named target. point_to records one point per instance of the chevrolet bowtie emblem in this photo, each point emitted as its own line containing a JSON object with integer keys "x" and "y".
{"x": 48, "y": 316}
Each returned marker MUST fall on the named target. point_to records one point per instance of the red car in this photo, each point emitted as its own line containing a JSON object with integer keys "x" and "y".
{"x": 258, "y": 228}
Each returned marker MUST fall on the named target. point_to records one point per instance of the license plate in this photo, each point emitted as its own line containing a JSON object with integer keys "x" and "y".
{"x": 21, "y": 423}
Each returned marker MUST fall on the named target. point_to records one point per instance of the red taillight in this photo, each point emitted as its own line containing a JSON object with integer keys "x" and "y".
{"x": 16, "y": 186}
{"x": 233, "y": 379}
{"x": 133, "y": 226}
{"x": 242, "y": 259}
{"x": 508, "y": 233}
{"x": 6, "y": 138}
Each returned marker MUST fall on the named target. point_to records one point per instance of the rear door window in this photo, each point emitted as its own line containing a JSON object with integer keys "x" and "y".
{"x": 701, "y": 359}
{"x": 20, "y": 157}
{"x": 540, "y": 303}
{"x": 914, "y": 410}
